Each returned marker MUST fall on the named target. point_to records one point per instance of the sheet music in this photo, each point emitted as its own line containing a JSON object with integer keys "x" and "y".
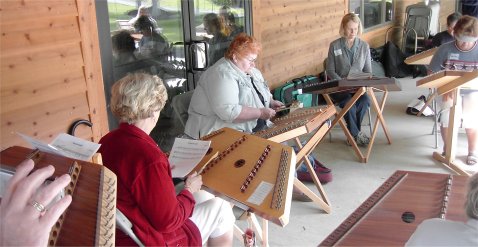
{"x": 75, "y": 147}
{"x": 66, "y": 145}
{"x": 260, "y": 193}
{"x": 358, "y": 75}
{"x": 185, "y": 155}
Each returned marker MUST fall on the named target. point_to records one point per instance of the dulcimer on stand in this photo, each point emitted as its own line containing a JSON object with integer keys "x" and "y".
{"x": 253, "y": 173}
{"x": 90, "y": 220}
{"x": 299, "y": 122}
{"x": 334, "y": 86}
{"x": 392, "y": 213}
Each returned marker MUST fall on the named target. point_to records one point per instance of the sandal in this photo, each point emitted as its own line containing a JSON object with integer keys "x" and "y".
{"x": 471, "y": 159}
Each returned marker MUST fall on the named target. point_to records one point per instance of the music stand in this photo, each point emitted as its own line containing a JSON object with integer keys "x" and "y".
{"x": 422, "y": 58}
{"x": 444, "y": 82}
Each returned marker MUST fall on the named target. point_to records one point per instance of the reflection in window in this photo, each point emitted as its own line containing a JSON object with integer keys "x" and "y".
{"x": 218, "y": 28}
{"x": 374, "y": 12}
{"x": 143, "y": 34}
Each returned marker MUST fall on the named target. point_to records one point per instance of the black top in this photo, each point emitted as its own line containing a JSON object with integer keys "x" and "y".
{"x": 442, "y": 38}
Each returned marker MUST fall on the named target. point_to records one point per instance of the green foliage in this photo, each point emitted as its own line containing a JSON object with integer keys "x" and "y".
{"x": 222, "y": 2}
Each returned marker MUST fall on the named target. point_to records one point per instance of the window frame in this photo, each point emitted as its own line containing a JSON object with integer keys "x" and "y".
{"x": 383, "y": 22}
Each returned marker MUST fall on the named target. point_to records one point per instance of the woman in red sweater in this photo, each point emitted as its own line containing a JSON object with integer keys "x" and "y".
{"x": 146, "y": 193}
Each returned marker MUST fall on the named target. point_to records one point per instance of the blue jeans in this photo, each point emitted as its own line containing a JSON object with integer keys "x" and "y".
{"x": 356, "y": 113}
{"x": 302, "y": 167}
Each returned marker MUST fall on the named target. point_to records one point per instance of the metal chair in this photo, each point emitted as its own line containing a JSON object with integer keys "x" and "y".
{"x": 125, "y": 225}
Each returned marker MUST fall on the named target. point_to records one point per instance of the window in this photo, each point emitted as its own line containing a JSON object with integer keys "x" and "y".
{"x": 373, "y": 13}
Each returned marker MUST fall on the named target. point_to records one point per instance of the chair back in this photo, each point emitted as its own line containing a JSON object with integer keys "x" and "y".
{"x": 125, "y": 225}
{"x": 180, "y": 104}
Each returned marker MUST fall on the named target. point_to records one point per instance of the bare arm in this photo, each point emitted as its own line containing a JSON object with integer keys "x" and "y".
{"x": 251, "y": 113}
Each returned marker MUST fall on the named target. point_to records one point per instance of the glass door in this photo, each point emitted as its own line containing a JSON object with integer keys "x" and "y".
{"x": 174, "y": 39}
{"x": 212, "y": 26}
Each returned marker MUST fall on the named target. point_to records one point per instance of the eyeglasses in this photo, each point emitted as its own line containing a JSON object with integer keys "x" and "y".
{"x": 251, "y": 60}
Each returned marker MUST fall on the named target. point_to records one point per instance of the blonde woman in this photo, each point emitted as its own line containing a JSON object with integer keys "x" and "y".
{"x": 350, "y": 54}
{"x": 146, "y": 193}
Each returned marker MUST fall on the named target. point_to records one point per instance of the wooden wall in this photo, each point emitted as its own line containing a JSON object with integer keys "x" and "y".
{"x": 50, "y": 70}
{"x": 296, "y": 34}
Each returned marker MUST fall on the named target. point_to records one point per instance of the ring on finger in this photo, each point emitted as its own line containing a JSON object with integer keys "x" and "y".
{"x": 38, "y": 206}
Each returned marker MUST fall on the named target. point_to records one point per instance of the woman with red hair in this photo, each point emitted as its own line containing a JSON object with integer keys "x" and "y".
{"x": 232, "y": 93}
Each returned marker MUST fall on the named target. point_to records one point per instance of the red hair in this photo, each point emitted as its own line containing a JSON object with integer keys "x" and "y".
{"x": 242, "y": 45}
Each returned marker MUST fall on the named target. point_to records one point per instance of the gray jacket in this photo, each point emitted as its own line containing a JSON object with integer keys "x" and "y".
{"x": 338, "y": 62}
{"x": 219, "y": 96}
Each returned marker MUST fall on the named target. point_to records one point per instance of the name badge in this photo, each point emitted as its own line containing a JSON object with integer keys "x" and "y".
{"x": 454, "y": 56}
{"x": 338, "y": 52}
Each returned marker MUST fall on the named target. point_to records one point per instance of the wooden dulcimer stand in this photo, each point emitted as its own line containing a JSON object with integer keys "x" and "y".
{"x": 360, "y": 86}
{"x": 295, "y": 125}
{"x": 444, "y": 82}
{"x": 90, "y": 220}
{"x": 253, "y": 173}
{"x": 392, "y": 213}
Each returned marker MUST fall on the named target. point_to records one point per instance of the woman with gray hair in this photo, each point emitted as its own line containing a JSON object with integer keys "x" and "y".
{"x": 146, "y": 193}
{"x": 462, "y": 54}
{"x": 349, "y": 54}
{"x": 440, "y": 232}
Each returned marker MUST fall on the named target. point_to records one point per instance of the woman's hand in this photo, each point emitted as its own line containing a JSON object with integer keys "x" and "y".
{"x": 267, "y": 113}
{"x": 276, "y": 105}
{"x": 193, "y": 183}
{"x": 24, "y": 220}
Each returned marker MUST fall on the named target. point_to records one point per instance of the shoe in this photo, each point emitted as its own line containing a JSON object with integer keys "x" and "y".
{"x": 362, "y": 139}
{"x": 323, "y": 173}
{"x": 471, "y": 159}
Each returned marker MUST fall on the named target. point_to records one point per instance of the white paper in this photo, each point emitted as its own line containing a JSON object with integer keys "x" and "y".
{"x": 66, "y": 145}
{"x": 260, "y": 193}
{"x": 75, "y": 147}
{"x": 47, "y": 148}
{"x": 185, "y": 155}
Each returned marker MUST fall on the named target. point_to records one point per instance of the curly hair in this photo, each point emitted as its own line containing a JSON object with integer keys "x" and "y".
{"x": 243, "y": 45}
{"x": 350, "y": 17}
{"x": 123, "y": 42}
{"x": 137, "y": 96}
{"x": 471, "y": 205}
{"x": 466, "y": 26}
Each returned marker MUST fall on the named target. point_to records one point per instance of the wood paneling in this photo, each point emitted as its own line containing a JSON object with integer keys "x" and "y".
{"x": 295, "y": 34}
{"x": 50, "y": 70}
